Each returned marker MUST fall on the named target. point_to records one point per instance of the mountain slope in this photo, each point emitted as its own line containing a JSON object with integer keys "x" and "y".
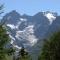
{"x": 29, "y": 31}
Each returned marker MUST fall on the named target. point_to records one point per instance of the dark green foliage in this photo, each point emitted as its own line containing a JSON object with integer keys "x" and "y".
{"x": 5, "y": 52}
{"x": 5, "y": 40}
{"x": 51, "y": 48}
{"x": 4, "y": 37}
{"x": 23, "y": 55}
{"x": 23, "y": 52}
{"x": 10, "y": 51}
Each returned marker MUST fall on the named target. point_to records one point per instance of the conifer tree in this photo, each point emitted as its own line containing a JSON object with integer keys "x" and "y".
{"x": 23, "y": 55}
{"x": 51, "y": 48}
{"x": 4, "y": 40}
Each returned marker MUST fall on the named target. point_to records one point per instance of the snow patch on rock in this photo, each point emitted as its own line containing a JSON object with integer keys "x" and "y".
{"x": 27, "y": 35}
{"x": 51, "y": 17}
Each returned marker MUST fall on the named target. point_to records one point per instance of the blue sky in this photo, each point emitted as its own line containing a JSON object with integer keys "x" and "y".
{"x": 31, "y": 7}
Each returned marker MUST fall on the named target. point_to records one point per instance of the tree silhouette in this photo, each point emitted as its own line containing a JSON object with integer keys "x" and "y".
{"x": 51, "y": 48}
{"x": 4, "y": 40}
{"x": 23, "y": 55}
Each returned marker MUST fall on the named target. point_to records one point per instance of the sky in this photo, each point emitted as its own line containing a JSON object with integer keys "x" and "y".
{"x": 31, "y": 7}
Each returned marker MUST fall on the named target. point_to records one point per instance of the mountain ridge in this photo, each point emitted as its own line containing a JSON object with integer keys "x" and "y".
{"x": 29, "y": 31}
{"x": 15, "y": 21}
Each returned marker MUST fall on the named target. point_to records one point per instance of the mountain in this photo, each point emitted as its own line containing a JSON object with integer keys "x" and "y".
{"x": 55, "y": 26}
{"x": 29, "y": 31}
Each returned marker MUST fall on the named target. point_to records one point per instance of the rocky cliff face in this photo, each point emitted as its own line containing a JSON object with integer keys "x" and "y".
{"x": 28, "y": 31}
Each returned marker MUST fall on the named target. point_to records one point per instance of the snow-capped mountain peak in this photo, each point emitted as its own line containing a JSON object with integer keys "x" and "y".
{"x": 29, "y": 31}
{"x": 50, "y": 16}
